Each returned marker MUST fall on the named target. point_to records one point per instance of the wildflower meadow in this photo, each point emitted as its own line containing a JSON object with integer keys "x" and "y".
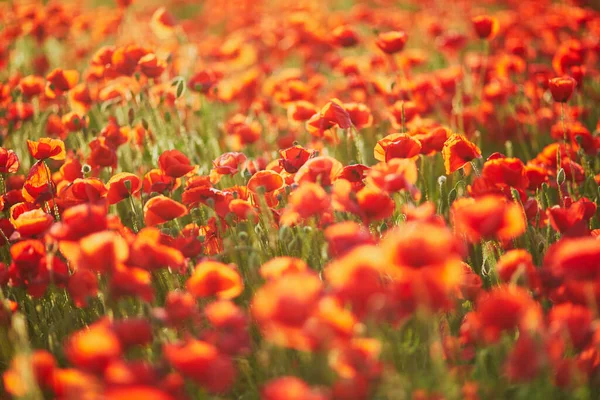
{"x": 299, "y": 199}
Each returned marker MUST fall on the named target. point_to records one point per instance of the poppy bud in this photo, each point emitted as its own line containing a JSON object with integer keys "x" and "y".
{"x": 485, "y": 26}
{"x": 562, "y": 88}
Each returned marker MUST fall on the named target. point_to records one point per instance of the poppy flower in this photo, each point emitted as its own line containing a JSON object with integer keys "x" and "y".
{"x": 458, "y": 151}
{"x": 360, "y": 115}
{"x": 397, "y": 145}
{"x": 226, "y": 164}
{"x": 293, "y": 158}
{"x": 506, "y": 308}
{"x": 573, "y": 219}
{"x": 122, "y": 186}
{"x": 47, "y": 148}
{"x": 524, "y": 362}
{"x": 151, "y": 66}
{"x": 283, "y": 306}
{"x": 211, "y": 278}
{"x": 281, "y": 388}
{"x": 102, "y": 154}
{"x": 322, "y": 169}
{"x": 163, "y": 23}
{"x": 344, "y": 236}
{"x": 279, "y": 266}
{"x": 148, "y": 252}
{"x": 574, "y": 259}
{"x": 38, "y": 187}
{"x": 94, "y": 348}
{"x": 174, "y": 163}
{"x": 562, "y": 88}
{"x": 126, "y": 281}
{"x": 485, "y": 26}
{"x": 330, "y": 116}
{"x": 32, "y": 85}
{"x": 32, "y": 223}
{"x": 301, "y": 110}
{"x": 488, "y": 217}
{"x": 136, "y": 391}
{"x": 201, "y": 362}
{"x": 344, "y": 36}
{"x": 516, "y": 266}
{"x": 506, "y": 171}
{"x": 391, "y": 42}
{"x": 161, "y": 209}
{"x": 59, "y": 81}
{"x": 374, "y": 204}
{"x": 308, "y": 200}
{"x": 99, "y": 252}
{"x": 83, "y": 285}
{"x": 9, "y": 161}
{"x": 267, "y": 183}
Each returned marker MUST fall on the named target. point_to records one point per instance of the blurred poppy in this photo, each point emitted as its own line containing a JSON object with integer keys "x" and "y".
{"x": 161, "y": 209}
{"x": 9, "y": 162}
{"x": 485, "y": 26}
{"x": 211, "y": 278}
{"x": 391, "y": 42}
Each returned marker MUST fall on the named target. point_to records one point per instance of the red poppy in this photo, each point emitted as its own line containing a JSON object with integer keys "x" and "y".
{"x": 211, "y": 278}
{"x": 562, "y": 88}
{"x": 161, "y": 209}
{"x": 391, "y": 42}
{"x": 457, "y": 152}
{"x": 9, "y": 162}
{"x": 47, "y": 148}
{"x": 485, "y": 26}
{"x": 122, "y": 186}
{"x": 174, "y": 163}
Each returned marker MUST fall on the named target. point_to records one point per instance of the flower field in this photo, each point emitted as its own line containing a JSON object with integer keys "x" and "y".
{"x": 299, "y": 199}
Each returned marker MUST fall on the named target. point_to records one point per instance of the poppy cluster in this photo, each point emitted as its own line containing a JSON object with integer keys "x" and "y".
{"x": 299, "y": 200}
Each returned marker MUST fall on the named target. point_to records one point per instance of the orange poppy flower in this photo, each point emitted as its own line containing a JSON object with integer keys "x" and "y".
{"x": 79, "y": 221}
{"x": 391, "y": 42}
{"x": 344, "y": 36}
{"x": 457, "y": 152}
{"x": 397, "y": 145}
{"x": 151, "y": 66}
{"x": 135, "y": 391}
{"x": 266, "y": 182}
{"x": 279, "y": 266}
{"x": 94, "y": 348}
{"x": 99, "y": 252}
{"x": 331, "y": 115}
{"x": 395, "y": 175}
{"x": 283, "y": 306}
{"x": 212, "y": 278}
{"x": 517, "y": 265}
{"x": 301, "y": 110}
{"x": 573, "y": 320}
{"x": 9, "y": 161}
{"x": 163, "y": 23}
{"x": 281, "y": 389}
{"x": 161, "y": 209}
{"x": 122, "y": 186}
{"x": 32, "y": 223}
{"x": 157, "y": 181}
{"x": 32, "y": 85}
{"x": 487, "y": 217}
{"x": 174, "y": 163}
{"x": 308, "y": 200}
{"x": 131, "y": 281}
{"x": 147, "y": 251}
{"x": 293, "y": 158}
{"x": 38, "y": 187}
{"x": 374, "y": 204}
{"x": 47, "y": 148}
{"x": 226, "y": 164}
{"x": 485, "y": 26}
{"x": 59, "y": 81}
{"x": 201, "y": 362}
{"x": 323, "y": 170}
